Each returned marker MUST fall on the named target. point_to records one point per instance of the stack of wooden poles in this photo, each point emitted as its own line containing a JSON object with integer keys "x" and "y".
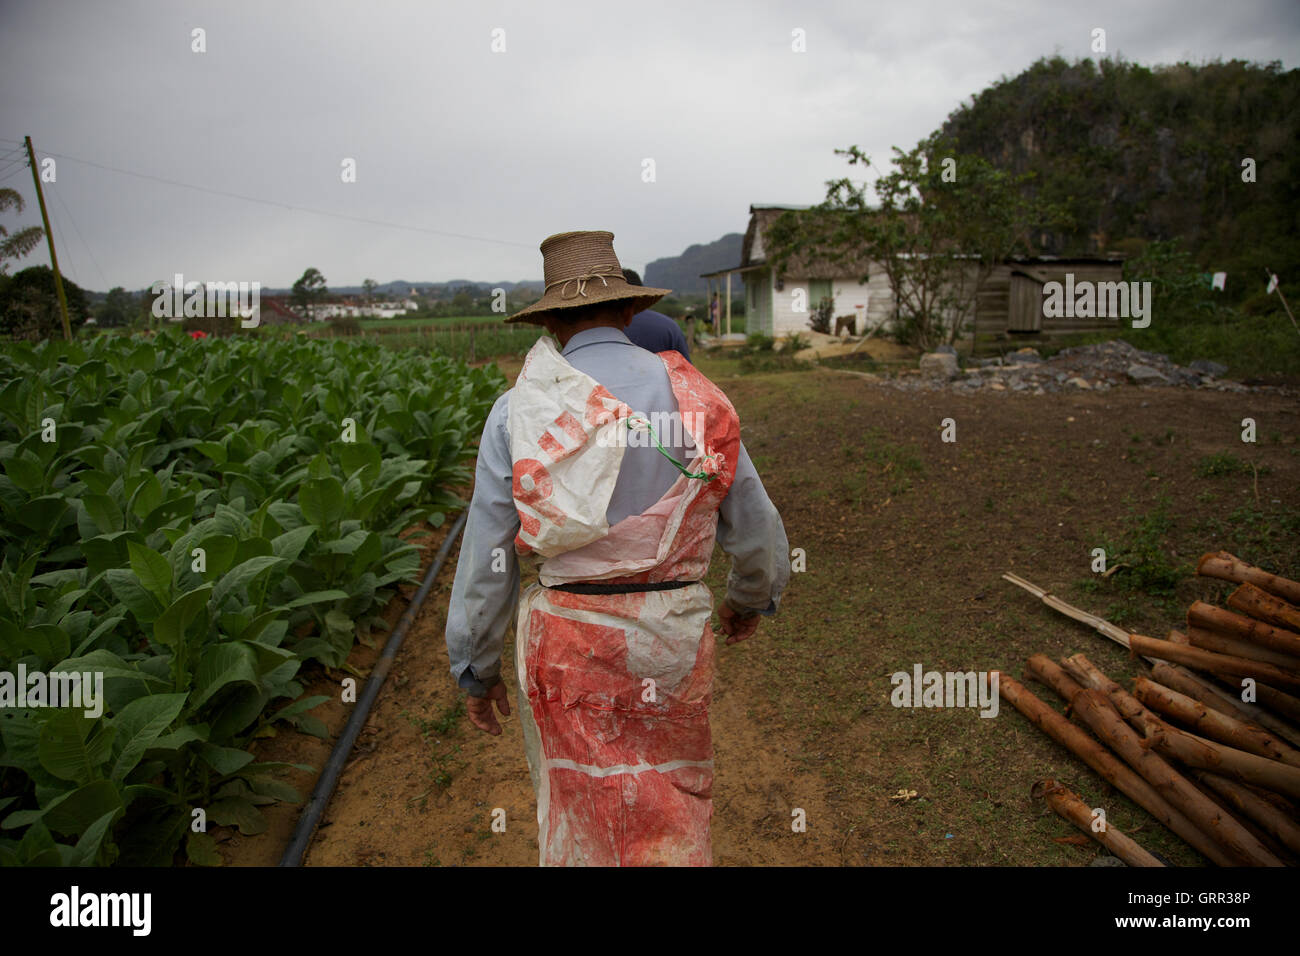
{"x": 1207, "y": 742}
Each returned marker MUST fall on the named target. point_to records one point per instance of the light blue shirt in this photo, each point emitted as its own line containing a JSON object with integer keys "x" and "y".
{"x": 483, "y": 600}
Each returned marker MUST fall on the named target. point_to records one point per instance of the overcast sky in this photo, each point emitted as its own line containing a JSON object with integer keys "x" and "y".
{"x": 457, "y": 141}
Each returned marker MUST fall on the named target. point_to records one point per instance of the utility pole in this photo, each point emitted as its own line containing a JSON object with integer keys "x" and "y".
{"x": 49, "y": 237}
{"x": 1275, "y": 286}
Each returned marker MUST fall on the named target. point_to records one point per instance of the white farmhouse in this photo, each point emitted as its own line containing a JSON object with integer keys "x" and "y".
{"x": 780, "y": 305}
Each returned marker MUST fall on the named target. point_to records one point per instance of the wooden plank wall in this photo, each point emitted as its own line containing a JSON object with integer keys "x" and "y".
{"x": 993, "y": 314}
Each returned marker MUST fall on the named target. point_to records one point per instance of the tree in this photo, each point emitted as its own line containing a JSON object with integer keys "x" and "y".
{"x": 29, "y": 306}
{"x": 943, "y": 224}
{"x": 308, "y": 291}
{"x": 368, "y": 287}
{"x": 117, "y": 309}
{"x": 21, "y": 242}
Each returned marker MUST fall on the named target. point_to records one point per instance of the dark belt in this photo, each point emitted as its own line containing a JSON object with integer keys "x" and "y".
{"x": 605, "y": 587}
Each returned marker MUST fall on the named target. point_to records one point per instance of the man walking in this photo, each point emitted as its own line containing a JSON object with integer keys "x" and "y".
{"x": 611, "y": 470}
{"x": 653, "y": 330}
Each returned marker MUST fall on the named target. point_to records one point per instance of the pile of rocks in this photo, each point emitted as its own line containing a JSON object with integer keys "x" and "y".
{"x": 1085, "y": 367}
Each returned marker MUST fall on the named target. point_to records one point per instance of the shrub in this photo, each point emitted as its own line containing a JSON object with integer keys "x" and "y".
{"x": 345, "y": 325}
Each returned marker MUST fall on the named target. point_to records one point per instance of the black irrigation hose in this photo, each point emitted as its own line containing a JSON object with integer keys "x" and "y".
{"x": 329, "y": 777}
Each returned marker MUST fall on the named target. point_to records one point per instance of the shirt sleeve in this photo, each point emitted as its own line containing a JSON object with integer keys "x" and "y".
{"x": 485, "y": 593}
{"x": 751, "y": 531}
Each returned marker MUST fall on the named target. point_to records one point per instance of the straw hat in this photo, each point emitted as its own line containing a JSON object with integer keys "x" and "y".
{"x": 580, "y": 268}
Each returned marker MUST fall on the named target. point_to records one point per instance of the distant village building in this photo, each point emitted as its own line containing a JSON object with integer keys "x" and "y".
{"x": 1009, "y": 304}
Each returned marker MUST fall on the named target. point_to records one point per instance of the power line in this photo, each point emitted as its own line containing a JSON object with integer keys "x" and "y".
{"x": 77, "y": 230}
{"x": 14, "y": 173}
{"x": 268, "y": 202}
{"x": 63, "y": 242}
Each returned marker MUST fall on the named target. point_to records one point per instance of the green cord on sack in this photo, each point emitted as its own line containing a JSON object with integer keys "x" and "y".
{"x": 676, "y": 464}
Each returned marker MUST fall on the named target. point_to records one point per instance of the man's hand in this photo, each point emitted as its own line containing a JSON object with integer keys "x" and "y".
{"x": 736, "y": 627}
{"x": 480, "y": 709}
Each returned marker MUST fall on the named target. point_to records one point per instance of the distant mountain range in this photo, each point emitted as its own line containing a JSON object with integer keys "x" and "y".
{"x": 400, "y": 288}
{"x": 682, "y": 273}
{"x": 679, "y": 273}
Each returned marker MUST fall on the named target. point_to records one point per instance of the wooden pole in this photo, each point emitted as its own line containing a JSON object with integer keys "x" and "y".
{"x": 1093, "y": 707}
{"x": 1229, "y": 567}
{"x": 1235, "y": 647}
{"x": 1272, "y": 820}
{"x": 1263, "y": 606}
{"x": 1212, "y": 695}
{"x": 728, "y": 303}
{"x": 1273, "y": 699}
{"x": 1067, "y": 805}
{"x": 1278, "y": 289}
{"x": 1210, "y": 723}
{"x": 1188, "y": 748}
{"x": 1221, "y": 621}
{"x": 1173, "y": 785}
{"x": 1218, "y": 758}
{"x": 1128, "y": 782}
{"x": 1210, "y": 661}
{"x": 49, "y": 238}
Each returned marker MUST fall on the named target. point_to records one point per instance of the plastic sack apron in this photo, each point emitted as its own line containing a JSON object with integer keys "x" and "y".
{"x": 614, "y": 689}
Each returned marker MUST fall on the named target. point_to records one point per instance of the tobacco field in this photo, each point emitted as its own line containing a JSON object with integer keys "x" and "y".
{"x": 197, "y": 521}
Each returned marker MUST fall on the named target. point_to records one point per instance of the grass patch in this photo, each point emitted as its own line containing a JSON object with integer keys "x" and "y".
{"x": 432, "y": 730}
{"x": 1225, "y": 464}
{"x": 1145, "y": 560}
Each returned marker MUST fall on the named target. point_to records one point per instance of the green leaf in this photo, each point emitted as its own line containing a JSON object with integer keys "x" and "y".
{"x": 49, "y": 643}
{"x": 319, "y": 467}
{"x": 80, "y": 810}
{"x": 127, "y": 589}
{"x": 148, "y": 496}
{"x": 224, "y": 760}
{"x": 152, "y": 570}
{"x": 221, "y": 665}
{"x": 238, "y": 812}
{"x": 213, "y": 450}
{"x": 109, "y": 664}
{"x": 290, "y": 544}
{"x": 354, "y": 456}
{"x": 104, "y": 511}
{"x": 138, "y": 725}
{"x": 243, "y": 575}
{"x": 218, "y": 554}
{"x": 299, "y": 706}
{"x": 270, "y": 787}
{"x": 179, "y": 738}
{"x": 201, "y": 849}
{"x": 25, "y": 472}
{"x": 65, "y": 751}
{"x": 86, "y": 852}
{"x": 170, "y": 627}
{"x": 43, "y": 513}
{"x": 321, "y": 500}
{"x": 318, "y": 597}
